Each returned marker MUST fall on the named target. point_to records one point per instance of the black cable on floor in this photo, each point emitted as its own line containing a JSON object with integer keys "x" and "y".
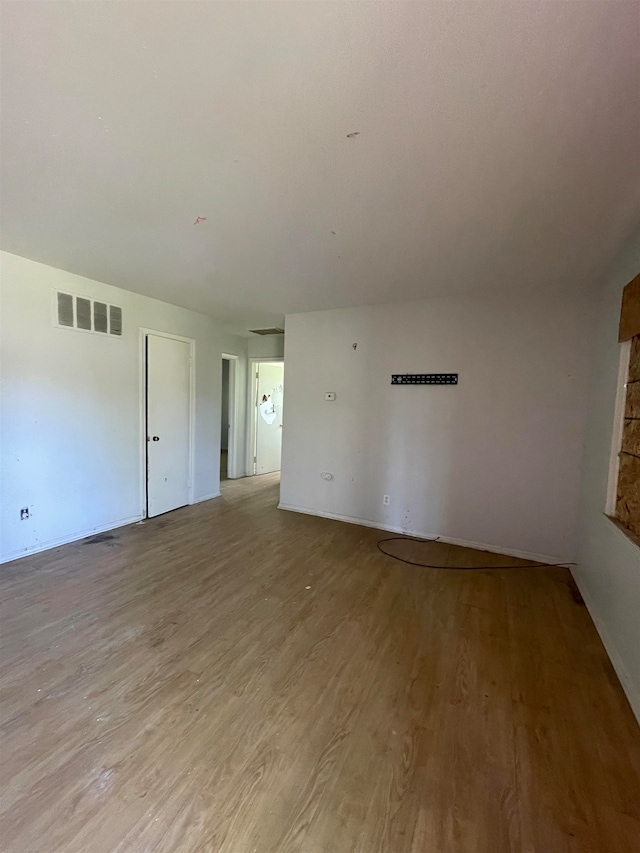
{"x": 532, "y": 564}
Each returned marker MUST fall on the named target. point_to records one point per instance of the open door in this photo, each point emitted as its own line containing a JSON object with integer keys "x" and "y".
{"x": 268, "y": 416}
{"x": 168, "y": 398}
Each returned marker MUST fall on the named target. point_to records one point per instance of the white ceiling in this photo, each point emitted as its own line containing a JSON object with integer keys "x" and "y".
{"x": 498, "y": 147}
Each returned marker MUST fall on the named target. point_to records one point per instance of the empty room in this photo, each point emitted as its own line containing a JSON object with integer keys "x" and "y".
{"x": 319, "y": 426}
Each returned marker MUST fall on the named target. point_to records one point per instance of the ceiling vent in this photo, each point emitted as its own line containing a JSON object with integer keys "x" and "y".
{"x": 267, "y": 331}
{"x": 90, "y": 315}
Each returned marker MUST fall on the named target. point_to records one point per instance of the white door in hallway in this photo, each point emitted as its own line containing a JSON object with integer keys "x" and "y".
{"x": 168, "y": 363}
{"x": 268, "y": 430}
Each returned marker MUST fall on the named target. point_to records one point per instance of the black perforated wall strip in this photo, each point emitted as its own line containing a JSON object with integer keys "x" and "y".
{"x": 424, "y": 379}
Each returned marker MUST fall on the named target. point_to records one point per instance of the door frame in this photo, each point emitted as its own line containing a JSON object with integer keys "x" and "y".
{"x": 252, "y": 410}
{"x": 232, "y": 449}
{"x": 143, "y": 411}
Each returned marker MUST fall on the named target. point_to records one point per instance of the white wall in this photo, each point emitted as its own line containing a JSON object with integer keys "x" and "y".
{"x": 608, "y": 573}
{"x": 70, "y": 417}
{"x": 494, "y": 461}
{"x": 266, "y": 346}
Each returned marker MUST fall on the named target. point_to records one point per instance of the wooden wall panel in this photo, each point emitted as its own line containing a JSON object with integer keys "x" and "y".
{"x": 631, "y": 437}
{"x": 628, "y": 493}
{"x": 628, "y": 502}
{"x": 632, "y": 409}
{"x": 630, "y": 312}
{"x": 634, "y": 360}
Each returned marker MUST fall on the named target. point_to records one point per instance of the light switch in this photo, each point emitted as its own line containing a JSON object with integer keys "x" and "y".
{"x": 329, "y": 395}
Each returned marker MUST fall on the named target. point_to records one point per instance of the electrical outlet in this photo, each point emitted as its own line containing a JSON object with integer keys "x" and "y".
{"x": 386, "y": 500}
{"x": 24, "y": 513}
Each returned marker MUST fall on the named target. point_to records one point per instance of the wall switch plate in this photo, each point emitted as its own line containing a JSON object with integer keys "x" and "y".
{"x": 330, "y": 396}
{"x": 386, "y": 500}
{"x": 24, "y": 513}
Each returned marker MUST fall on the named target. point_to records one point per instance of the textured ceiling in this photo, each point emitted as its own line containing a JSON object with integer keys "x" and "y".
{"x": 497, "y": 146}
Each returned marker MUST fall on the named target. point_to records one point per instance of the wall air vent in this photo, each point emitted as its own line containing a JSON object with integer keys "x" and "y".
{"x": 83, "y": 313}
{"x": 267, "y": 331}
{"x": 115, "y": 320}
{"x": 65, "y": 309}
{"x": 100, "y": 320}
{"x": 89, "y": 315}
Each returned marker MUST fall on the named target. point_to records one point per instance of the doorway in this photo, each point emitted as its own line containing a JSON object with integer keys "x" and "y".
{"x": 224, "y": 421}
{"x": 168, "y": 421}
{"x": 268, "y": 402}
{"x": 229, "y": 443}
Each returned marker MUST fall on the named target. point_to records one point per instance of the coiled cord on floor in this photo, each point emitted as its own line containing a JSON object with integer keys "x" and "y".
{"x": 380, "y": 543}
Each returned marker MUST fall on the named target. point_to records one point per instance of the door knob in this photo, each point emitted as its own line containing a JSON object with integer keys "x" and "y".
{"x": 156, "y": 438}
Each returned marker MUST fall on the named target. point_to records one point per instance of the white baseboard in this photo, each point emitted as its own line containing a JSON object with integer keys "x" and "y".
{"x": 206, "y": 498}
{"x": 449, "y": 540}
{"x": 631, "y": 689}
{"x": 92, "y": 531}
{"x": 65, "y": 540}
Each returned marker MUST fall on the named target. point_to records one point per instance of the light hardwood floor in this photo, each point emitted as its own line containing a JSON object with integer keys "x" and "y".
{"x": 232, "y": 678}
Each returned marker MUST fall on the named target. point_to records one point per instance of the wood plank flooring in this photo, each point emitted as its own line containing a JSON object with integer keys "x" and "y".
{"x": 230, "y": 678}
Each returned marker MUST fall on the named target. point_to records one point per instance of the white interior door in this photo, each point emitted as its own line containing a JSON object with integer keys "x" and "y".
{"x": 269, "y": 401}
{"x": 168, "y": 423}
